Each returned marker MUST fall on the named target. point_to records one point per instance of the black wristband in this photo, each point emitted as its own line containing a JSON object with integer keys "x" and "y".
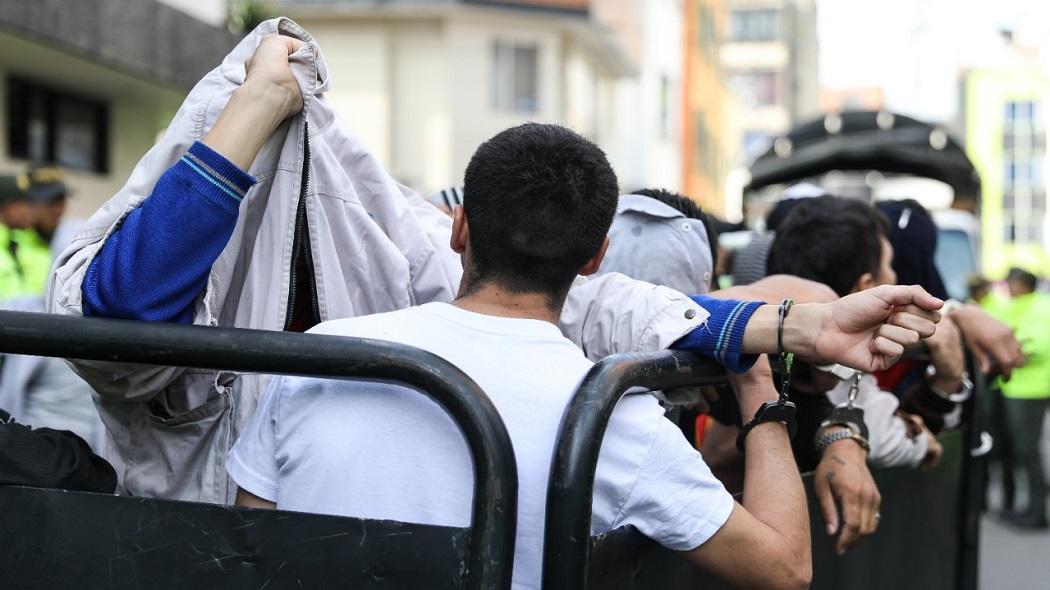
{"x": 782, "y": 314}
{"x": 778, "y": 411}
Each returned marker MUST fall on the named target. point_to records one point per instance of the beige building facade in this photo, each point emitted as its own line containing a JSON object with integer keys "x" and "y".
{"x": 770, "y": 62}
{"x": 425, "y": 83}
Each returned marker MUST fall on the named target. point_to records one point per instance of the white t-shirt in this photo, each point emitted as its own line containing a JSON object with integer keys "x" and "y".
{"x": 377, "y": 450}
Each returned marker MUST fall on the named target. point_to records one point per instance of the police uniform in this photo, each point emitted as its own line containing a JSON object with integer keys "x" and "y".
{"x": 34, "y": 251}
{"x": 12, "y": 276}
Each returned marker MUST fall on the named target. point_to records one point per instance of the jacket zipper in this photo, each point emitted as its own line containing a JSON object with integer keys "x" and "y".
{"x": 301, "y": 251}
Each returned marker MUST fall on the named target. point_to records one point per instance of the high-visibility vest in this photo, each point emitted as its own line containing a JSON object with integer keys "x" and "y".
{"x": 34, "y": 255}
{"x": 1029, "y": 316}
{"x": 12, "y": 277}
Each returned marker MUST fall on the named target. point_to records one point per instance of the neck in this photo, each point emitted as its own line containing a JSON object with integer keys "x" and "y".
{"x": 490, "y": 299}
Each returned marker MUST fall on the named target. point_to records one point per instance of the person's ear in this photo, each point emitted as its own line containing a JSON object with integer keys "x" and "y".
{"x": 596, "y": 261}
{"x": 865, "y": 282}
{"x": 460, "y": 231}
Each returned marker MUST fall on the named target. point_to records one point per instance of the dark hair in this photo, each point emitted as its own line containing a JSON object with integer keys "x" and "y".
{"x": 779, "y": 213}
{"x": 1019, "y": 275}
{"x": 829, "y": 240}
{"x": 539, "y": 200}
{"x": 690, "y": 209}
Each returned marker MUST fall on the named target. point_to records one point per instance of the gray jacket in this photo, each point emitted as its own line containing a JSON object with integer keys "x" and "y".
{"x": 377, "y": 246}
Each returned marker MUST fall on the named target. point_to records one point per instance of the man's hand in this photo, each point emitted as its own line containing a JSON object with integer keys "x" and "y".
{"x": 992, "y": 342}
{"x": 946, "y": 353}
{"x": 866, "y": 331}
{"x": 934, "y": 450}
{"x": 268, "y": 96}
{"x": 843, "y": 482}
{"x": 268, "y": 72}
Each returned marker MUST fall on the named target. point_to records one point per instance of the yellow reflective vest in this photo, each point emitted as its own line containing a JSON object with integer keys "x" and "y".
{"x": 12, "y": 278}
{"x": 1029, "y": 316}
{"x": 34, "y": 255}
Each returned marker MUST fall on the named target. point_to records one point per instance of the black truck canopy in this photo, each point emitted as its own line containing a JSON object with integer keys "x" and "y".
{"x": 867, "y": 140}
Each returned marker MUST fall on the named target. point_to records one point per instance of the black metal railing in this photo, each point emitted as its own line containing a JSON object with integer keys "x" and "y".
{"x": 571, "y": 487}
{"x": 493, "y": 520}
{"x": 941, "y": 507}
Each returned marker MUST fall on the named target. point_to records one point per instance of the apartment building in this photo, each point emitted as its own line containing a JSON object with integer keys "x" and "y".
{"x": 424, "y": 83}
{"x": 87, "y": 85}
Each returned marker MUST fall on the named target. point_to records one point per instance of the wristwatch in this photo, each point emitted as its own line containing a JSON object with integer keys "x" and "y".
{"x": 965, "y": 389}
{"x": 827, "y": 437}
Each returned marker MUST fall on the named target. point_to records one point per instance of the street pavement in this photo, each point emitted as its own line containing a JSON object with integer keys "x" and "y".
{"x": 1012, "y": 559}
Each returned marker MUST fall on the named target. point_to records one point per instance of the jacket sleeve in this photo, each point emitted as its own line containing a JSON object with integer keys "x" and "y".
{"x": 156, "y": 263}
{"x": 721, "y": 339}
{"x": 49, "y": 458}
{"x": 612, "y": 313}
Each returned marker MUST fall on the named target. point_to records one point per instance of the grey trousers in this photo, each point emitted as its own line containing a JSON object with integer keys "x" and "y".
{"x": 1025, "y": 420}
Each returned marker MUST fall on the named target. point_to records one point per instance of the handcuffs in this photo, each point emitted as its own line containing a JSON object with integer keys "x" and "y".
{"x": 781, "y": 410}
{"x": 845, "y": 415}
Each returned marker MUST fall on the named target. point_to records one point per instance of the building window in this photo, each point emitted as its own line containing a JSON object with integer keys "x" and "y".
{"x": 1019, "y": 112}
{"x": 755, "y": 88}
{"x": 753, "y": 25}
{"x": 1035, "y": 228}
{"x": 1009, "y": 231}
{"x": 515, "y": 74}
{"x": 50, "y": 126}
{"x": 1024, "y": 183}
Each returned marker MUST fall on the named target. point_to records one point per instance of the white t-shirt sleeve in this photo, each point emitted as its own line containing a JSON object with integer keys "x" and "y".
{"x": 252, "y": 462}
{"x": 674, "y": 500}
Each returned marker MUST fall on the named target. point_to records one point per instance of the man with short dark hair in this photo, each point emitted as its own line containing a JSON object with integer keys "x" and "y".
{"x": 539, "y": 200}
{"x": 256, "y": 211}
{"x": 838, "y": 242}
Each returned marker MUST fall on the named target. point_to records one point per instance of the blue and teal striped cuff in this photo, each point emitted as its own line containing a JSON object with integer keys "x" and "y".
{"x": 721, "y": 338}
{"x": 222, "y": 173}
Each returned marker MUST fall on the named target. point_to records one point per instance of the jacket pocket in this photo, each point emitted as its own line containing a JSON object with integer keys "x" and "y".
{"x": 180, "y": 455}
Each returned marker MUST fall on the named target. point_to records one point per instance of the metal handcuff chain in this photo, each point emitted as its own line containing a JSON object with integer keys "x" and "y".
{"x": 854, "y": 389}
{"x": 782, "y": 410}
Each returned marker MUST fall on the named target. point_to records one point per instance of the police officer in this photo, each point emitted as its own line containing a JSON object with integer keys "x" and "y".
{"x": 47, "y": 195}
{"x": 16, "y": 213}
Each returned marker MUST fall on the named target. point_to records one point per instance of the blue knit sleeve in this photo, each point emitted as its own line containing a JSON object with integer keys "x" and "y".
{"x": 721, "y": 337}
{"x": 156, "y": 263}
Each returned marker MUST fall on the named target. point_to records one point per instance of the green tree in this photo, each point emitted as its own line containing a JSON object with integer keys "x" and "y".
{"x": 245, "y": 15}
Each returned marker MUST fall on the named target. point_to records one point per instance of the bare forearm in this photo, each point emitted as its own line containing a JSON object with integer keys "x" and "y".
{"x": 246, "y": 499}
{"x": 773, "y": 491}
{"x": 800, "y": 328}
{"x": 765, "y": 542}
{"x": 252, "y": 115}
